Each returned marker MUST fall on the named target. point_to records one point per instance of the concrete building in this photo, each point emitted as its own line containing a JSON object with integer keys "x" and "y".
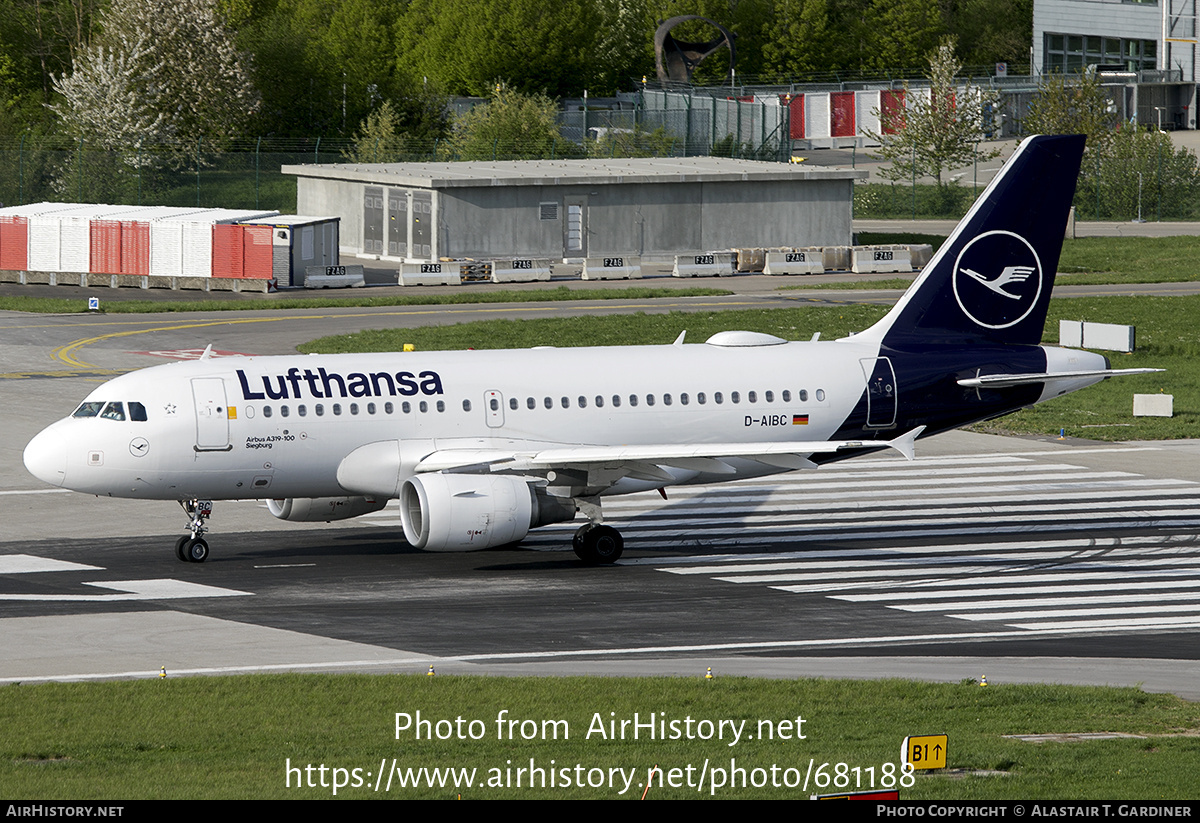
{"x": 566, "y": 209}
{"x": 1148, "y": 47}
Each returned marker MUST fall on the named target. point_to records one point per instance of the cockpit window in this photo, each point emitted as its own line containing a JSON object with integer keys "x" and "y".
{"x": 113, "y": 411}
{"x": 137, "y": 412}
{"x": 90, "y": 409}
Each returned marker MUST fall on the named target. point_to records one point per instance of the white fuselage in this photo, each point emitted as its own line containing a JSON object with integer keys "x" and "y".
{"x": 274, "y": 427}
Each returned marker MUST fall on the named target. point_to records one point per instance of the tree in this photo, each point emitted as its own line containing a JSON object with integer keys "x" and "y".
{"x": 797, "y": 46}
{"x": 380, "y": 138}
{"x": 900, "y": 33}
{"x": 1072, "y": 104}
{"x": 1139, "y": 172}
{"x": 510, "y": 126}
{"x": 635, "y": 142}
{"x": 465, "y": 46}
{"x": 159, "y": 70}
{"x": 933, "y": 134}
{"x": 106, "y": 100}
{"x": 992, "y": 31}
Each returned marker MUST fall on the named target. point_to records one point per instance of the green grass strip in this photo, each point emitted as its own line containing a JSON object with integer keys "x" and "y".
{"x": 359, "y": 298}
{"x": 1167, "y": 337}
{"x": 234, "y": 737}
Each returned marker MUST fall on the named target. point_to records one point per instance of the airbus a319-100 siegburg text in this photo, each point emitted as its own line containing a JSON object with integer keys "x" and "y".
{"x": 482, "y": 446}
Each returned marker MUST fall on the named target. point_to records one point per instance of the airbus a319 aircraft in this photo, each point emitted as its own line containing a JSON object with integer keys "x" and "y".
{"x": 482, "y": 446}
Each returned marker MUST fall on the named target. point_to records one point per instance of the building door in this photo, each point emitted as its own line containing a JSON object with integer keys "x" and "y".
{"x": 422, "y": 225}
{"x": 397, "y": 239}
{"x": 575, "y": 228}
{"x": 372, "y": 220}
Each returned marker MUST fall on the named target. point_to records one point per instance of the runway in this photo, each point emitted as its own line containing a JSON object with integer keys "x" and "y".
{"x": 1025, "y": 560}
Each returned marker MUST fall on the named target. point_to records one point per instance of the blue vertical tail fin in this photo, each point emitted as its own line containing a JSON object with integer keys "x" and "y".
{"x": 991, "y": 280}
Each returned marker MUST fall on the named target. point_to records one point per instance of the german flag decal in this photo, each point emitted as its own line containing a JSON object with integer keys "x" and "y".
{"x": 799, "y": 419}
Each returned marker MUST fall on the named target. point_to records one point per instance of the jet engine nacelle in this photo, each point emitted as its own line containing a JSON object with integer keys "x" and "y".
{"x": 465, "y": 512}
{"x": 323, "y": 509}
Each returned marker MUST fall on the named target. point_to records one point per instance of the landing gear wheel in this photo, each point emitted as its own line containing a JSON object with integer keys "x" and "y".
{"x": 596, "y": 544}
{"x": 191, "y": 548}
{"x": 196, "y": 549}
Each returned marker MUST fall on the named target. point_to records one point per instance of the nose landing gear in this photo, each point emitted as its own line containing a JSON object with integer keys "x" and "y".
{"x": 192, "y": 548}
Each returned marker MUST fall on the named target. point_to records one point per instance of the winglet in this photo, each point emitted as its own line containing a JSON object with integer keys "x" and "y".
{"x": 679, "y": 339}
{"x": 207, "y": 352}
{"x": 906, "y": 443}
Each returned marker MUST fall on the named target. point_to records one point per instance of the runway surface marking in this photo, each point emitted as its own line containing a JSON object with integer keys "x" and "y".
{"x": 192, "y": 354}
{"x": 31, "y": 564}
{"x": 67, "y": 352}
{"x": 908, "y": 523}
{"x": 164, "y": 588}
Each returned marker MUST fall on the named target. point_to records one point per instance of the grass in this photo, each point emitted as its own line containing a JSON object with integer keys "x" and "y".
{"x": 226, "y": 737}
{"x": 613, "y": 330}
{"x": 1086, "y": 261}
{"x": 903, "y": 238}
{"x": 63, "y": 305}
{"x": 900, "y": 283}
{"x": 1167, "y": 338}
{"x": 1106, "y": 260}
{"x": 896, "y": 200}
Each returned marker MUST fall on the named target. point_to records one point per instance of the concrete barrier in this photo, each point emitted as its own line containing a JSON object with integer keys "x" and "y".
{"x": 801, "y": 261}
{"x": 1108, "y": 336}
{"x": 334, "y": 277}
{"x": 1078, "y": 334}
{"x": 1070, "y": 333}
{"x": 430, "y": 274}
{"x": 877, "y": 259}
{"x": 612, "y": 268}
{"x": 520, "y": 270}
{"x": 711, "y": 264}
{"x": 1153, "y": 405}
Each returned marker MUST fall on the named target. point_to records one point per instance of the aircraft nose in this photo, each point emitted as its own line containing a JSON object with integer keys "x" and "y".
{"x": 46, "y": 457}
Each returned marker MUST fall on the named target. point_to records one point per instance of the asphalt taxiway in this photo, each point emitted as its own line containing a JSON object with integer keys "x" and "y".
{"x": 1022, "y": 560}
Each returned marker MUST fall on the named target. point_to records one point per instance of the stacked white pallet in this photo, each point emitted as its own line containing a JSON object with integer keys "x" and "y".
{"x": 181, "y": 245}
{"x": 61, "y": 240}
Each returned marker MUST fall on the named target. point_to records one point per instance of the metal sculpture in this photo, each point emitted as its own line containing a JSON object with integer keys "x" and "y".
{"x": 675, "y": 60}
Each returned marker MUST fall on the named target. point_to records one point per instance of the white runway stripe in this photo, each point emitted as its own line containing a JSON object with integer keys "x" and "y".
{"x": 1003, "y": 616}
{"x": 981, "y": 580}
{"x": 955, "y": 511}
{"x": 1046, "y": 602}
{"x": 1085, "y": 489}
{"x": 900, "y": 596}
{"x": 1123, "y": 624}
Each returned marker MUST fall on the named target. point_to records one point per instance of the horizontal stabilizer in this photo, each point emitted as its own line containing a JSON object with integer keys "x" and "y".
{"x": 994, "y": 381}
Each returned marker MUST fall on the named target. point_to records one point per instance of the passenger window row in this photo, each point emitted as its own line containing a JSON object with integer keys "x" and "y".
{"x": 351, "y": 409}
{"x": 137, "y": 411}
{"x": 633, "y": 400}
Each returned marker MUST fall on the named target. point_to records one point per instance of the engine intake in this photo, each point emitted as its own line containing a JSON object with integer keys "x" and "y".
{"x": 466, "y": 512}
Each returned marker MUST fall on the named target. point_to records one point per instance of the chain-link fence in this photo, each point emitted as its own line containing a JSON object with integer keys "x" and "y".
{"x": 240, "y": 176}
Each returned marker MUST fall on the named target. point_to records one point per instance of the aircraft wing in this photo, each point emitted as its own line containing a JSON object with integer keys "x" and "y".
{"x": 375, "y": 469}
{"x": 687, "y": 456}
{"x": 1002, "y": 380}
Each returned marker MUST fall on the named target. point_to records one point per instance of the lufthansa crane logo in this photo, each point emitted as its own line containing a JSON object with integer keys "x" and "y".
{"x": 997, "y": 279}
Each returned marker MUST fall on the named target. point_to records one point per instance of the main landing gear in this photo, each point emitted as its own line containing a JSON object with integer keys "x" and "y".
{"x": 595, "y": 543}
{"x": 192, "y": 548}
